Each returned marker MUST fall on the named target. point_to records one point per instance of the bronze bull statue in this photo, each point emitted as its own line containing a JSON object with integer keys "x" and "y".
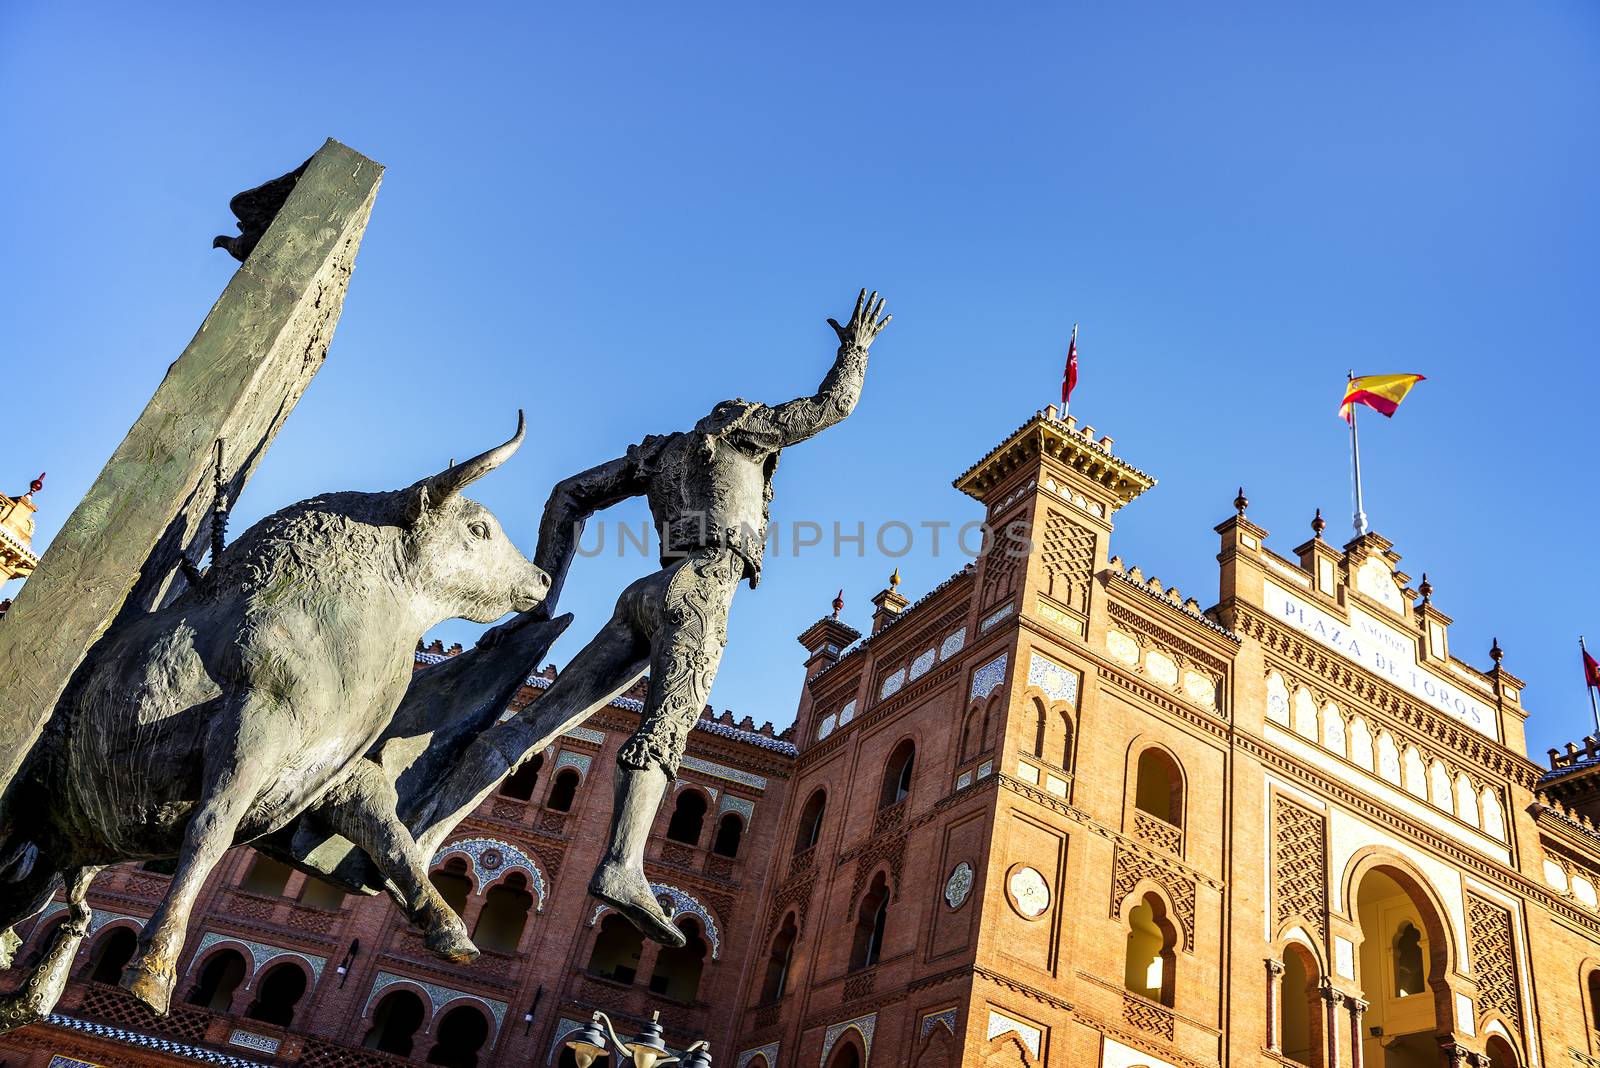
{"x": 248, "y": 703}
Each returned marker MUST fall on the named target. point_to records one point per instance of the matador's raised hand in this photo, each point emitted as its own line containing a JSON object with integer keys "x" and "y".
{"x": 864, "y": 325}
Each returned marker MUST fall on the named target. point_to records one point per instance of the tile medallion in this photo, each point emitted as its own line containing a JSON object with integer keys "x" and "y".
{"x": 987, "y": 679}
{"x": 958, "y": 886}
{"x": 1057, "y": 683}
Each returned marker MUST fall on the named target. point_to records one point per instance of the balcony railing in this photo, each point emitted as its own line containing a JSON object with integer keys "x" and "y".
{"x": 1157, "y": 832}
{"x": 282, "y": 912}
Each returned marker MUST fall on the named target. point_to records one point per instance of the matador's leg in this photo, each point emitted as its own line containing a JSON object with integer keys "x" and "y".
{"x": 686, "y": 649}
{"x": 608, "y": 665}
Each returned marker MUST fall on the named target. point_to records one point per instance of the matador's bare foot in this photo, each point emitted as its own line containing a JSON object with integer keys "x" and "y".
{"x": 626, "y": 890}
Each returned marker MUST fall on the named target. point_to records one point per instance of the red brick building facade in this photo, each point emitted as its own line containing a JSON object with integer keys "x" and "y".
{"x": 1054, "y": 813}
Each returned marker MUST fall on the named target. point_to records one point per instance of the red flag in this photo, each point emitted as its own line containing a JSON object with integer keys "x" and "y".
{"x": 1069, "y": 377}
{"x": 1591, "y": 670}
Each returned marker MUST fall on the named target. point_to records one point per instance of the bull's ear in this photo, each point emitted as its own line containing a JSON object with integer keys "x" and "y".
{"x": 417, "y": 504}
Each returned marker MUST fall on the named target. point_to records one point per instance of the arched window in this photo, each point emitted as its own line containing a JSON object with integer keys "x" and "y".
{"x": 897, "y": 774}
{"x": 810, "y": 821}
{"x": 277, "y": 994}
{"x": 395, "y": 1023}
{"x": 563, "y": 790}
{"x": 1298, "y": 1001}
{"x": 729, "y": 830}
{"x": 688, "y": 817}
{"x": 504, "y": 915}
{"x": 1158, "y": 787}
{"x": 872, "y": 920}
{"x": 453, "y": 884}
{"x": 1062, "y": 750}
{"x": 1152, "y": 942}
{"x": 1410, "y": 974}
{"x": 1501, "y": 1055}
{"x": 1041, "y": 728}
{"x": 459, "y": 1037}
{"x": 778, "y": 960}
{"x": 845, "y": 1055}
{"x": 520, "y": 783}
{"x": 266, "y": 877}
{"x": 678, "y": 969}
{"x": 112, "y": 954}
{"x": 1594, "y": 999}
{"x": 616, "y": 951}
{"x": 219, "y": 979}
{"x": 321, "y": 894}
{"x": 972, "y": 735}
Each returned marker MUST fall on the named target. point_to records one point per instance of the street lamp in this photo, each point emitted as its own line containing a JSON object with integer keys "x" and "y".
{"x": 588, "y": 1045}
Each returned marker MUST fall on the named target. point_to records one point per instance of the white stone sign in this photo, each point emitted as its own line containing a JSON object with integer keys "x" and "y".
{"x": 1386, "y": 651}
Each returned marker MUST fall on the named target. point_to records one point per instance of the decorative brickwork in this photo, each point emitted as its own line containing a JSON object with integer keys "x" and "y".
{"x": 1132, "y": 867}
{"x": 1067, "y": 551}
{"x": 1299, "y": 865}
{"x": 1493, "y": 955}
{"x": 1142, "y": 1014}
{"x": 999, "y": 571}
{"x": 1157, "y": 833}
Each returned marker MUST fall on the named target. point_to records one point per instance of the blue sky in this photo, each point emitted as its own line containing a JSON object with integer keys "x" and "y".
{"x": 616, "y": 215}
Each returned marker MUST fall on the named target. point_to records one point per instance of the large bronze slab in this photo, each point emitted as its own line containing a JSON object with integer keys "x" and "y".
{"x": 237, "y": 380}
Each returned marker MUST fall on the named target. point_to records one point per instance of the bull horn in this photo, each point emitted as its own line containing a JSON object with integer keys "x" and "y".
{"x": 457, "y": 477}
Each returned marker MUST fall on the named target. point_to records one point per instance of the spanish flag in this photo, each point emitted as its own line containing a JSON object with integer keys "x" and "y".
{"x": 1382, "y": 393}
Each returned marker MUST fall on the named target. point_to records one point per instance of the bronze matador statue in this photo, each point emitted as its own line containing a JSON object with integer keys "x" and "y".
{"x": 709, "y": 490}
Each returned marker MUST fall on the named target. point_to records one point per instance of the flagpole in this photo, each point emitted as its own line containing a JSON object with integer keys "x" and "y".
{"x": 1588, "y": 684}
{"x": 1355, "y": 460}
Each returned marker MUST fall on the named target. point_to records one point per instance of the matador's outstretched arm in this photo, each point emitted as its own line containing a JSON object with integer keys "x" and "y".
{"x": 836, "y": 398}
{"x": 571, "y": 503}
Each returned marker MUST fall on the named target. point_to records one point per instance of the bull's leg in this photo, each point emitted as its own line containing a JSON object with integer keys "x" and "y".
{"x": 690, "y": 632}
{"x": 39, "y": 994}
{"x": 609, "y": 664}
{"x": 231, "y": 785}
{"x": 362, "y": 808}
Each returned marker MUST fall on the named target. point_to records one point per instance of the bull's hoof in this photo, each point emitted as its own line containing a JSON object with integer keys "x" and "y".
{"x": 450, "y": 942}
{"x": 150, "y": 986}
{"x": 628, "y": 892}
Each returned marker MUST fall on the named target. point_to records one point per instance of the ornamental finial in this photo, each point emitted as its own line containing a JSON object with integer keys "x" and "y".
{"x": 1426, "y": 589}
{"x": 1318, "y": 524}
{"x": 838, "y": 603}
{"x": 1496, "y": 653}
{"x": 1241, "y": 502}
{"x": 894, "y": 580}
{"x": 37, "y": 484}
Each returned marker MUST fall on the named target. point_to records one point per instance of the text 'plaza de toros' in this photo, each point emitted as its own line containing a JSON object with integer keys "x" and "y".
{"x": 1051, "y": 814}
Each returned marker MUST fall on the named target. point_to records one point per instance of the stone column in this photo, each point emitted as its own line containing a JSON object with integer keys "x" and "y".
{"x": 237, "y": 380}
{"x": 1274, "y": 1028}
{"x": 648, "y": 953}
{"x": 1333, "y": 998}
{"x": 1357, "y": 1009}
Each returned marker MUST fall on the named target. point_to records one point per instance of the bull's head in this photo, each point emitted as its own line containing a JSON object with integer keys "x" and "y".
{"x": 462, "y": 557}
